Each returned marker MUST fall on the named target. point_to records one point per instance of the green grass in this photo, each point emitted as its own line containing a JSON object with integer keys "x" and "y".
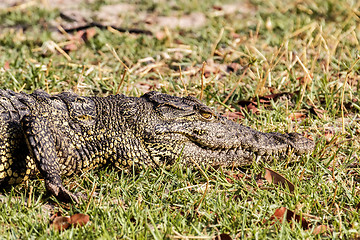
{"x": 309, "y": 48}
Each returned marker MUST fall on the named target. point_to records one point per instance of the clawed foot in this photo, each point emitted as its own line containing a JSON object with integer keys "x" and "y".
{"x": 62, "y": 194}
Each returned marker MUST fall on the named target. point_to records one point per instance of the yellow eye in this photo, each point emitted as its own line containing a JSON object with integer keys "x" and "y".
{"x": 206, "y": 115}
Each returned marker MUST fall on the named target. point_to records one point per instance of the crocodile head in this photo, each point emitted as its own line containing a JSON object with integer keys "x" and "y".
{"x": 186, "y": 129}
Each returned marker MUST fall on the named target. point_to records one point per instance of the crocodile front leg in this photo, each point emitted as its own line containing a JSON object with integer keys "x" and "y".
{"x": 41, "y": 144}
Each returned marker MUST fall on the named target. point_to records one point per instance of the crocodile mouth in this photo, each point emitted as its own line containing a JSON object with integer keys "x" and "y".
{"x": 188, "y": 150}
{"x": 229, "y": 148}
{"x": 233, "y": 156}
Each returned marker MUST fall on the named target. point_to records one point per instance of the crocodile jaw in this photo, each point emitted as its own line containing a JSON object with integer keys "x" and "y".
{"x": 219, "y": 143}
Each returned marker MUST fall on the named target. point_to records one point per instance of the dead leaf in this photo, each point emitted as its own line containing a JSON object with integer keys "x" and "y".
{"x": 235, "y": 176}
{"x": 6, "y": 65}
{"x": 250, "y": 105}
{"x": 234, "y": 115}
{"x": 320, "y": 229}
{"x": 217, "y": 7}
{"x": 80, "y": 38}
{"x": 284, "y": 213}
{"x": 79, "y": 219}
{"x": 277, "y": 179}
{"x": 297, "y": 116}
{"x": 61, "y": 223}
{"x": 253, "y": 109}
{"x": 223, "y": 236}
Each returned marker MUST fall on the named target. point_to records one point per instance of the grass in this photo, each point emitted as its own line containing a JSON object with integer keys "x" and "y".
{"x": 308, "y": 48}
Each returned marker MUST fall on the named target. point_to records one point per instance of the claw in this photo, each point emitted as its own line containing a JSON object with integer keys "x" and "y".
{"x": 62, "y": 194}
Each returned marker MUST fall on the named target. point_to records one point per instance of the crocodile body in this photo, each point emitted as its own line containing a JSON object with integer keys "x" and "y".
{"x": 65, "y": 134}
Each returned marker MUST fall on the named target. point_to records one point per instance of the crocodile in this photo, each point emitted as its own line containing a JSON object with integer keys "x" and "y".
{"x": 59, "y": 135}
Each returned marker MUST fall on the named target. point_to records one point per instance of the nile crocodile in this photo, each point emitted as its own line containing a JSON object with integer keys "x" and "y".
{"x": 64, "y": 134}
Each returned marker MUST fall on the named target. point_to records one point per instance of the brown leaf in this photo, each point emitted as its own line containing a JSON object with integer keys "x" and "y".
{"x": 6, "y": 65}
{"x": 278, "y": 214}
{"x": 79, "y": 38}
{"x": 90, "y": 33}
{"x": 320, "y": 229}
{"x": 235, "y": 176}
{"x": 284, "y": 213}
{"x": 252, "y": 107}
{"x": 79, "y": 219}
{"x": 217, "y": 7}
{"x": 223, "y": 236}
{"x": 297, "y": 116}
{"x": 61, "y": 223}
{"x": 277, "y": 179}
{"x": 234, "y": 115}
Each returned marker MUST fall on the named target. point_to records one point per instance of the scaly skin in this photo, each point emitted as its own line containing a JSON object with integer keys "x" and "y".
{"x": 65, "y": 134}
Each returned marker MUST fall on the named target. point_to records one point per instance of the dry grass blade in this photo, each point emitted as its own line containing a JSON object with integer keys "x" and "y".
{"x": 207, "y": 183}
{"x": 121, "y": 82}
{"x": 202, "y": 80}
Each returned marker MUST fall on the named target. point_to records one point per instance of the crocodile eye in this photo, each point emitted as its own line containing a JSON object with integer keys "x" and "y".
{"x": 207, "y": 115}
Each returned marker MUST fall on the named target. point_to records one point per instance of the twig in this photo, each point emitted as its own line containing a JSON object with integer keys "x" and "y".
{"x": 109, "y": 27}
{"x": 29, "y": 199}
{"x": 90, "y": 197}
{"x": 121, "y": 82}
{"x": 58, "y": 48}
{"x": 117, "y": 57}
